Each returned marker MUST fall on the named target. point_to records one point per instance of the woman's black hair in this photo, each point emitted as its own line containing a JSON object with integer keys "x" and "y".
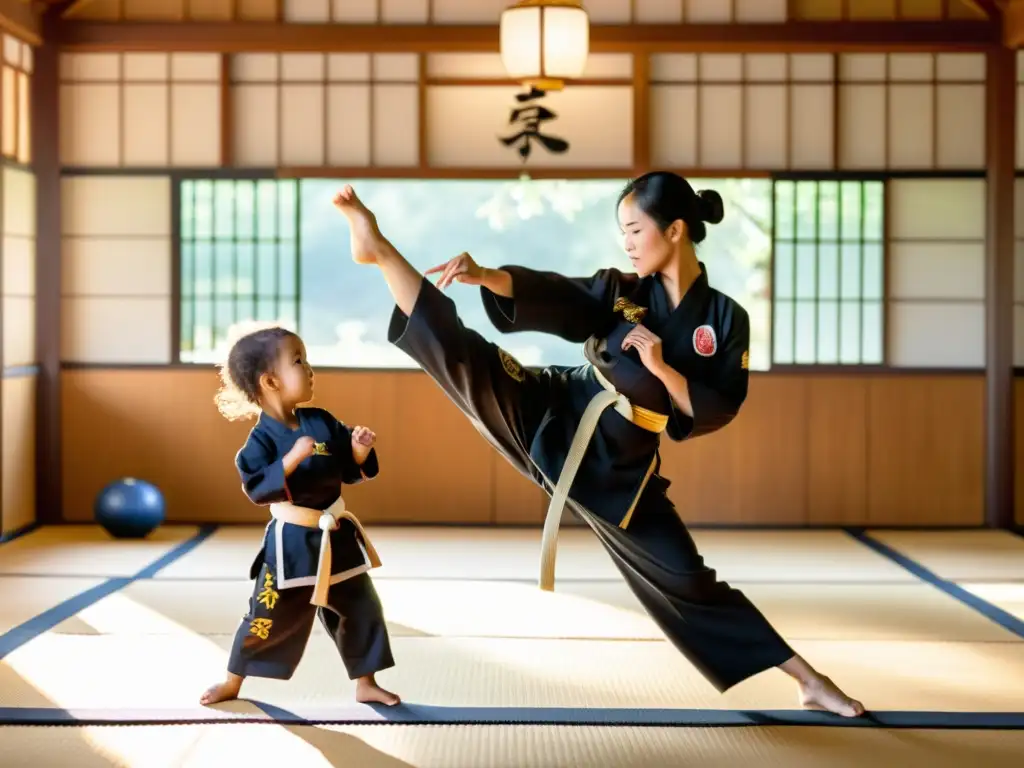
{"x": 249, "y": 358}
{"x": 667, "y": 197}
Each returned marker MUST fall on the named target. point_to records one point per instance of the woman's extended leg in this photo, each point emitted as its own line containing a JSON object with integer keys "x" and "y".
{"x": 714, "y": 625}
{"x": 369, "y": 246}
{"x": 505, "y": 401}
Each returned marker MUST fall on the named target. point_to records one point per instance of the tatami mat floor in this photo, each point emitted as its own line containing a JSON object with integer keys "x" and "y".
{"x": 105, "y": 646}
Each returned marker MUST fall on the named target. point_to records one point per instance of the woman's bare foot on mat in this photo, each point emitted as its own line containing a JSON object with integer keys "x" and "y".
{"x": 367, "y": 243}
{"x": 823, "y": 694}
{"x": 819, "y": 692}
{"x": 225, "y": 691}
{"x": 367, "y": 691}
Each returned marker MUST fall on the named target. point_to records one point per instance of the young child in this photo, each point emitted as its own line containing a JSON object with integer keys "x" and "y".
{"x": 315, "y": 556}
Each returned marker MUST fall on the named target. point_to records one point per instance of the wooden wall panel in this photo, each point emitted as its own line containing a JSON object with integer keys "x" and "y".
{"x": 817, "y": 450}
{"x": 1020, "y": 109}
{"x": 516, "y": 499}
{"x": 926, "y": 450}
{"x": 1018, "y": 272}
{"x": 434, "y": 466}
{"x": 756, "y": 470}
{"x": 1018, "y": 411}
{"x": 837, "y": 455}
{"x": 18, "y": 399}
{"x": 446, "y": 467}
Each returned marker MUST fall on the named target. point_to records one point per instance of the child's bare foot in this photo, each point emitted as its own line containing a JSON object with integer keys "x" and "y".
{"x": 225, "y": 691}
{"x": 823, "y": 694}
{"x": 368, "y": 691}
{"x": 367, "y": 243}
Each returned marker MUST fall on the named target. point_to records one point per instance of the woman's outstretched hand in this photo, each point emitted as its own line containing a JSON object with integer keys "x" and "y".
{"x": 461, "y": 269}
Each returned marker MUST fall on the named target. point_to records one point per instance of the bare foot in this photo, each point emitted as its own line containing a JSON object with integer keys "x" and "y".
{"x": 225, "y": 691}
{"x": 368, "y": 691}
{"x": 367, "y": 242}
{"x": 823, "y": 694}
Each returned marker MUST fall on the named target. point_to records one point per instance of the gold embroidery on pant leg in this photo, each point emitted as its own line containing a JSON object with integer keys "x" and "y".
{"x": 267, "y": 595}
{"x": 261, "y": 628}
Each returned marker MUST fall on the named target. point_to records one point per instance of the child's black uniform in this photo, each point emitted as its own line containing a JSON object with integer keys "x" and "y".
{"x": 272, "y": 636}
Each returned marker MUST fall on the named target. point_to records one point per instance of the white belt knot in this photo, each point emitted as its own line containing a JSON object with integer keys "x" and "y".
{"x": 326, "y": 521}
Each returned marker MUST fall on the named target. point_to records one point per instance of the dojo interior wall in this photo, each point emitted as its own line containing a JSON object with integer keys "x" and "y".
{"x": 902, "y": 445}
{"x": 17, "y": 291}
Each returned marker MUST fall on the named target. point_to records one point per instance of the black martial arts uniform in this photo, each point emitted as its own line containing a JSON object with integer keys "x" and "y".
{"x": 531, "y": 418}
{"x": 272, "y": 636}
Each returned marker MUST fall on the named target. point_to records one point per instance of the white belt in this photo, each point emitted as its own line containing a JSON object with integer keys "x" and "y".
{"x": 326, "y": 521}
{"x": 584, "y": 433}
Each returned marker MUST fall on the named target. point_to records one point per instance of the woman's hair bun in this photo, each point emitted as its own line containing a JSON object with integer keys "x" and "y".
{"x": 712, "y": 210}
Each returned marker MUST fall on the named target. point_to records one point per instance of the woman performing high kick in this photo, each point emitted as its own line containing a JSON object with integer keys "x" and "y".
{"x": 665, "y": 353}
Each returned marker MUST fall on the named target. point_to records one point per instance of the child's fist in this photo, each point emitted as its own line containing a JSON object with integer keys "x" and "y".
{"x": 304, "y": 447}
{"x": 361, "y": 436}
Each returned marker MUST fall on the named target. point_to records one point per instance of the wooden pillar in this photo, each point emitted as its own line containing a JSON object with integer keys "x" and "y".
{"x": 46, "y": 151}
{"x": 1000, "y": 156}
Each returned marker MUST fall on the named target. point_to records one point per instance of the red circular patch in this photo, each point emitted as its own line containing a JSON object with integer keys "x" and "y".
{"x": 704, "y": 341}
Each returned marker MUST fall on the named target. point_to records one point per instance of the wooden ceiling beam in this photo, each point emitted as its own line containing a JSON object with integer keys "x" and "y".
{"x": 74, "y": 6}
{"x": 1013, "y": 23}
{"x": 233, "y": 37}
{"x": 989, "y": 8}
{"x": 21, "y": 19}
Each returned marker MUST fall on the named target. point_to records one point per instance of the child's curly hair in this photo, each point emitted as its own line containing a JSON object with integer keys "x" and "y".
{"x": 253, "y": 353}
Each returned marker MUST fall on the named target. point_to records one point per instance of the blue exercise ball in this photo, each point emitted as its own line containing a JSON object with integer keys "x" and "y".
{"x": 129, "y": 508}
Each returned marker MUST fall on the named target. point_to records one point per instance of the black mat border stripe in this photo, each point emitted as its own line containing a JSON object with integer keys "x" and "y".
{"x": 994, "y": 613}
{"x": 421, "y": 714}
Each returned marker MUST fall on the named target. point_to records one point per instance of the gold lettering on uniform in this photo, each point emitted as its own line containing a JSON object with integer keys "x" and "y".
{"x": 320, "y": 449}
{"x": 745, "y": 360}
{"x": 629, "y": 310}
{"x": 261, "y": 628}
{"x": 511, "y": 365}
{"x": 268, "y": 596}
